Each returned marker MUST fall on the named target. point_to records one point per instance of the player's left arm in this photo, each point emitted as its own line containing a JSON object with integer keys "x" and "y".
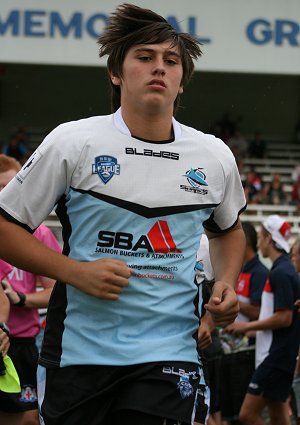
{"x": 4, "y": 306}
{"x": 227, "y": 254}
{"x": 250, "y": 310}
{"x": 205, "y": 330}
{"x": 278, "y": 320}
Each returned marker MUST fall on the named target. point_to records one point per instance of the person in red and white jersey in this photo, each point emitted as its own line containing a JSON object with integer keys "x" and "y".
{"x": 278, "y": 330}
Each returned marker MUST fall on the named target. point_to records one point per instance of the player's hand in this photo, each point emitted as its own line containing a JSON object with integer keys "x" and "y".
{"x": 105, "y": 278}
{"x": 9, "y": 291}
{"x": 204, "y": 336}
{"x": 236, "y": 328}
{"x": 223, "y": 304}
{"x": 4, "y": 343}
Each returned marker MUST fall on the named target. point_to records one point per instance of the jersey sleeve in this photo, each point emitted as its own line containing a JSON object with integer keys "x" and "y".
{"x": 30, "y": 197}
{"x": 283, "y": 291}
{"x": 257, "y": 283}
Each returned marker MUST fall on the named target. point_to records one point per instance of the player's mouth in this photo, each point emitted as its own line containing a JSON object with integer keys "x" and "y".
{"x": 157, "y": 83}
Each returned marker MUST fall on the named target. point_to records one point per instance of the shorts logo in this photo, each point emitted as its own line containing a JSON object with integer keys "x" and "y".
{"x": 28, "y": 394}
{"x": 184, "y": 386}
{"x": 253, "y": 386}
{"x": 196, "y": 179}
{"x": 106, "y": 167}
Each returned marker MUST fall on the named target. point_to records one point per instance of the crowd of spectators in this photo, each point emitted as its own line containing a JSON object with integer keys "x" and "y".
{"x": 274, "y": 192}
{"x": 257, "y": 191}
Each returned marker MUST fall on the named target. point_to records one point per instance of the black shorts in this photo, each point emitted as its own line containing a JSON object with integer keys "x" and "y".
{"x": 236, "y": 372}
{"x": 24, "y": 354}
{"x": 202, "y": 404}
{"x": 89, "y": 395}
{"x": 271, "y": 383}
{"x": 214, "y": 369}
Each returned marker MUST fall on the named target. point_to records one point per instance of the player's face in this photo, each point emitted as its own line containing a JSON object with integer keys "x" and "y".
{"x": 263, "y": 242}
{"x": 295, "y": 256}
{"x": 6, "y": 177}
{"x": 151, "y": 79}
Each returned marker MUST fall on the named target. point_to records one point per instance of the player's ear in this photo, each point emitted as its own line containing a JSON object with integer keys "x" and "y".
{"x": 115, "y": 80}
{"x": 180, "y": 91}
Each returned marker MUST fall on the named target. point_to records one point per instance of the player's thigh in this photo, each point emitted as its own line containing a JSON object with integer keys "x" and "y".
{"x": 279, "y": 412}
{"x": 252, "y": 406}
{"x": 10, "y": 418}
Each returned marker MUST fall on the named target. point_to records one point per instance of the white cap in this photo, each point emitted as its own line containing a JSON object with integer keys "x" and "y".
{"x": 280, "y": 231}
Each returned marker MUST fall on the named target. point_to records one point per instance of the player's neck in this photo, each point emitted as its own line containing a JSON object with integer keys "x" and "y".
{"x": 274, "y": 254}
{"x": 155, "y": 127}
{"x": 249, "y": 255}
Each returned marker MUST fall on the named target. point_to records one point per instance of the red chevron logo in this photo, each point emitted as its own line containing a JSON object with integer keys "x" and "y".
{"x": 161, "y": 239}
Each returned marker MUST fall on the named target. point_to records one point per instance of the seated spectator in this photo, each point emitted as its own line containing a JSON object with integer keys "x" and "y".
{"x": 295, "y": 195}
{"x": 252, "y": 186}
{"x": 17, "y": 147}
{"x": 238, "y": 146}
{"x": 257, "y": 146}
{"x": 274, "y": 193}
{"x": 296, "y": 173}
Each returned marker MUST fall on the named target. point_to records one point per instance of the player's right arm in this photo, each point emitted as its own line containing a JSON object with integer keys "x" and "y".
{"x": 4, "y": 313}
{"x": 4, "y": 306}
{"x": 103, "y": 278}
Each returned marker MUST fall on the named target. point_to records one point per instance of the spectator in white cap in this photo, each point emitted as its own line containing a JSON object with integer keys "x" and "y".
{"x": 278, "y": 330}
{"x": 280, "y": 230}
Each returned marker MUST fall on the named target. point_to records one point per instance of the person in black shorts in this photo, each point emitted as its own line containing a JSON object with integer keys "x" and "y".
{"x": 238, "y": 362}
{"x": 278, "y": 330}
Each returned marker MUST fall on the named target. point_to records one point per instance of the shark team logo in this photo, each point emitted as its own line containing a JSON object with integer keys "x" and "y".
{"x": 106, "y": 167}
{"x": 196, "y": 179}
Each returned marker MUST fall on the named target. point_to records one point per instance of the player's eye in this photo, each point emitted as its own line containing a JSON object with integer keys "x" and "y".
{"x": 144, "y": 58}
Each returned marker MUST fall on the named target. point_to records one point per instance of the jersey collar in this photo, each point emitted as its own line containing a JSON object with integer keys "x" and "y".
{"x": 122, "y": 127}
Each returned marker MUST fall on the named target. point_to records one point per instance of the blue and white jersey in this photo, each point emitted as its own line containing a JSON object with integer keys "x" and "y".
{"x": 140, "y": 202}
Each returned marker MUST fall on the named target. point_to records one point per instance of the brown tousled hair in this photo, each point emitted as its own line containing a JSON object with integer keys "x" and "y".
{"x": 130, "y": 25}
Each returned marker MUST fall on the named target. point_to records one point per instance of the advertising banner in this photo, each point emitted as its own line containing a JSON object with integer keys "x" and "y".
{"x": 257, "y": 36}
